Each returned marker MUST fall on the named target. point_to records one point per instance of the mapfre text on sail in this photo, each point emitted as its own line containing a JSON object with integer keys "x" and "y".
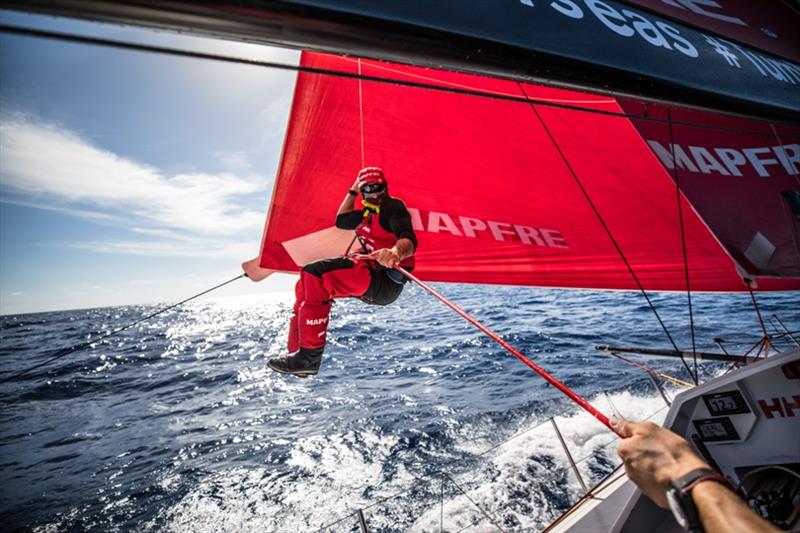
{"x": 463, "y": 226}
{"x": 766, "y": 161}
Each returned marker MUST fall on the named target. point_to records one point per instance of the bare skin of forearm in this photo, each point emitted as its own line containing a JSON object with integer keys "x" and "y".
{"x": 654, "y": 457}
{"x": 721, "y": 511}
{"x": 348, "y": 204}
{"x": 390, "y": 257}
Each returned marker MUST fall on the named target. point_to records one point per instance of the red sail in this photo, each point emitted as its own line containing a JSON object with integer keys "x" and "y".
{"x": 508, "y": 192}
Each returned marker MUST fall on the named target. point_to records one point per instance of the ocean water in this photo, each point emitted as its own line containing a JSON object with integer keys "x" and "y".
{"x": 416, "y": 418}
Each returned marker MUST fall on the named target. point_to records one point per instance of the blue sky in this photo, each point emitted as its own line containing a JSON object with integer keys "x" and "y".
{"x": 130, "y": 177}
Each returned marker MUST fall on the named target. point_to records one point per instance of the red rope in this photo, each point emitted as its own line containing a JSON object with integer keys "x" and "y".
{"x": 572, "y": 395}
{"x": 602, "y": 223}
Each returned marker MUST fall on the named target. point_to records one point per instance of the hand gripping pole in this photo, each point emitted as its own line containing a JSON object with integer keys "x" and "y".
{"x": 572, "y": 395}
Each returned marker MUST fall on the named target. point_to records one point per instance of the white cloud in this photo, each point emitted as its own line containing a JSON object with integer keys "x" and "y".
{"x": 179, "y": 248}
{"x": 79, "y": 213}
{"x": 59, "y": 169}
{"x": 274, "y": 115}
{"x": 158, "y": 232}
{"x": 234, "y": 161}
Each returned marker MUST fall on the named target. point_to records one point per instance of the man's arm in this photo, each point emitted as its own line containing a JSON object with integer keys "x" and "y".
{"x": 390, "y": 257}
{"x": 655, "y": 456}
{"x": 348, "y": 204}
{"x": 347, "y": 217}
{"x": 722, "y": 510}
{"x": 399, "y": 222}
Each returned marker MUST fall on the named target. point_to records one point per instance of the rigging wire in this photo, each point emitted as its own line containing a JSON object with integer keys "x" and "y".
{"x": 743, "y": 358}
{"x": 360, "y": 77}
{"x": 671, "y": 379}
{"x": 72, "y": 349}
{"x": 766, "y": 338}
{"x": 683, "y": 247}
{"x": 361, "y": 113}
{"x": 612, "y": 406}
{"x": 483, "y": 512}
{"x": 111, "y": 43}
{"x": 361, "y": 134}
{"x": 571, "y": 394}
{"x": 785, "y": 335}
{"x": 786, "y": 332}
{"x": 605, "y": 226}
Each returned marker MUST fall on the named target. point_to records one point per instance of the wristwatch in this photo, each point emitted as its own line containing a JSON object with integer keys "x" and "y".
{"x": 352, "y": 192}
{"x": 679, "y": 496}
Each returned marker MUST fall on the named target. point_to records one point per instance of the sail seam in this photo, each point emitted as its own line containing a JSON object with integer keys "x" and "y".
{"x": 602, "y": 221}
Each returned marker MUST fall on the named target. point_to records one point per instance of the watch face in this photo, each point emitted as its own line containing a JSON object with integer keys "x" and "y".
{"x": 675, "y": 506}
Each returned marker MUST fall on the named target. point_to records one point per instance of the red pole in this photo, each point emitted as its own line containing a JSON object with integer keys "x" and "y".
{"x": 572, "y": 395}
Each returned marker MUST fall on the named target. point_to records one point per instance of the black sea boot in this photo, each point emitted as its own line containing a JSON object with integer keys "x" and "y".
{"x": 302, "y": 363}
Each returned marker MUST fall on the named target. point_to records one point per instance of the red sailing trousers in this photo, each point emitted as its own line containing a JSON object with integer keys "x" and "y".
{"x": 320, "y": 282}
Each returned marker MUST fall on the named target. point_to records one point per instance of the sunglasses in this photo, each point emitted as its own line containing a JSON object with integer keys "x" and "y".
{"x": 372, "y": 188}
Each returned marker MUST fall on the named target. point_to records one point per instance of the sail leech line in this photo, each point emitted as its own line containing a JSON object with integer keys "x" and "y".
{"x": 600, "y": 218}
{"x": 683, "y": 247}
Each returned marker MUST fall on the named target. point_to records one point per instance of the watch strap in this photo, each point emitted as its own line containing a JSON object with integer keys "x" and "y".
{"x": 681, "y": 490}
{"x": 687, "y": 482}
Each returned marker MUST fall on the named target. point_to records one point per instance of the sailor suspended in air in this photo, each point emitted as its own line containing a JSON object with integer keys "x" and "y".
{"x": 384, "y": 229}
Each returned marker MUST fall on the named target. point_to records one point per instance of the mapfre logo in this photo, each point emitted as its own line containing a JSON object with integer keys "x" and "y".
{"x": 316, "y": 321}
{"x": 461, "y": 226}
{"x": 766, "y": 161}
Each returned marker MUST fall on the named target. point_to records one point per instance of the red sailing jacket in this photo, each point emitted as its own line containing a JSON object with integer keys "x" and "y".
{"x": 392, "y": 222}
